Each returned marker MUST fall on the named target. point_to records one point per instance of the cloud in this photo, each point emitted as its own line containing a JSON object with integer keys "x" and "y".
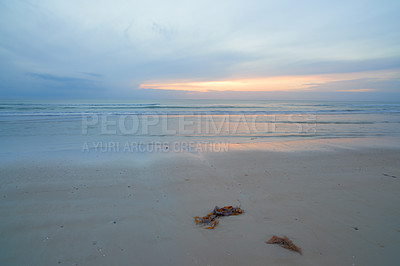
{"x": 332, "y": 82}
{"x": 123, "y": 43}
{"x": 162, "y": 30}
{"x": 391, "y": 85}
{"x": 357, "y": 90}
{"x": 92, "y": 74}
{"x": 303, "y": 67}
{"x": 145, "y": 94}
{"x": 49, "y": 77}
{"x": 45, "y": 85}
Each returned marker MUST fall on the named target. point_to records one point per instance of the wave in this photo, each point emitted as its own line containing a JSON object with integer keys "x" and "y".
{"x": 192, "y": 113}
{"x": 195, "y": 108}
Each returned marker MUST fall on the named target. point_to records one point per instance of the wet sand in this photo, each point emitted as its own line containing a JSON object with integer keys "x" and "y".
{"x": 337, "y": 200}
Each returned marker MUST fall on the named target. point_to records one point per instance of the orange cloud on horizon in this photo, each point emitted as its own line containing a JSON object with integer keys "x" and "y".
{"x": 277, "y": 83}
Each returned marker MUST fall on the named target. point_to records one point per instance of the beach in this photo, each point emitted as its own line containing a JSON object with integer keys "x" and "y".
{"x": 117, "y": 183}
{"x": 210, "y": 133}
{"x": 337, "y": 200}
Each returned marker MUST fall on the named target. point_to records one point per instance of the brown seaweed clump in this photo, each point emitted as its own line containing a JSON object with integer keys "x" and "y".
{"x": 284, "y": 242}
{"x": 211, "y": 219}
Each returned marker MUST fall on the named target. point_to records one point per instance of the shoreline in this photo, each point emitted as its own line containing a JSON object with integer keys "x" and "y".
{"x": 115, "y": 150}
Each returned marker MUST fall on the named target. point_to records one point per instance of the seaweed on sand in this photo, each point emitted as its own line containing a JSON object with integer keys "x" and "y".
{"x": 284, "y": 242}
{"x": 211, "y": 219}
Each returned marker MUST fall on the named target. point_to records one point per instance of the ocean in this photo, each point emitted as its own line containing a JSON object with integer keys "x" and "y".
{"x": 40, "y": 126}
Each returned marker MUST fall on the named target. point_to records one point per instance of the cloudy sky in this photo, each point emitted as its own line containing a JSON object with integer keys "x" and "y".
{"x": 333, "y": 50}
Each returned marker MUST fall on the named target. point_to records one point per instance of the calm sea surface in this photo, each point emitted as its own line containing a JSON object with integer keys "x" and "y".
{"x": 47, "y": 125}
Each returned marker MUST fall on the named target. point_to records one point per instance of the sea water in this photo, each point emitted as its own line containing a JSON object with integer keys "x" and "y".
{"x": 118, "y": 126}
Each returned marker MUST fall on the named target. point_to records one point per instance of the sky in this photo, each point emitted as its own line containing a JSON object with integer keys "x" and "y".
{"x": 279, "y": 50}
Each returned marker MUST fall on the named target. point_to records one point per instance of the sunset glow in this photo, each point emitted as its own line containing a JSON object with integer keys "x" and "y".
{"x": 279, "y": 83}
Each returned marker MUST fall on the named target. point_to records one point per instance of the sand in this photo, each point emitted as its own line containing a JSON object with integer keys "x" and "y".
{"x": 338, "y": 202}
